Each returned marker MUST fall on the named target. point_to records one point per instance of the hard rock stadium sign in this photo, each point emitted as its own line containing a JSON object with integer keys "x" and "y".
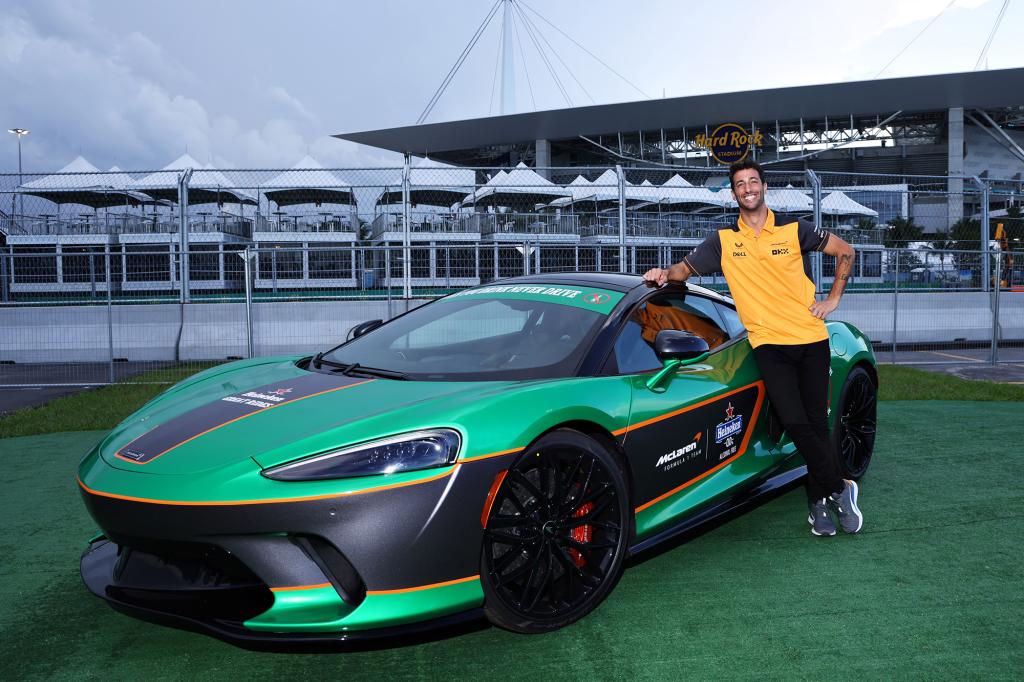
{"x": 729, "y": 142}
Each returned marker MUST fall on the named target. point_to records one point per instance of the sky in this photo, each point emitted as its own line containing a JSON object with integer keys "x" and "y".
{"x": 260, "y": 84}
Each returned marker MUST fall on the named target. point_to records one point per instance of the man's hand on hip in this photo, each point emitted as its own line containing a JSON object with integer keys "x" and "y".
{"x": 822, "y": 309}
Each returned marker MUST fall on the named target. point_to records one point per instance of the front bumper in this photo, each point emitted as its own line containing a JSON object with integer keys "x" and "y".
{"x": 183, "y": 608}
{"x": 303, "y": 570}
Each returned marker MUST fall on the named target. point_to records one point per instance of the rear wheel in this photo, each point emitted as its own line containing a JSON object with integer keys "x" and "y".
{"x": 556, "y": 534}
{"x": 854, "y": 432}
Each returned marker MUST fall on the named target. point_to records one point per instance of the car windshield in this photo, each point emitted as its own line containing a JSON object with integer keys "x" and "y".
{"x": 477, "y": 336}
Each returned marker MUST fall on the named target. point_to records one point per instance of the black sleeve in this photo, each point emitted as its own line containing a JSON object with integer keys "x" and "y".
{"x": 706, "y": 259}
{"x": 811, "y": 238}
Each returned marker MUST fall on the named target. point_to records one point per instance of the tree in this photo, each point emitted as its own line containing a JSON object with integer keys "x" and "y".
{"x": 942, "y": 242}
{"x": 965, "y": 234}
{"x": 901, "y": 231}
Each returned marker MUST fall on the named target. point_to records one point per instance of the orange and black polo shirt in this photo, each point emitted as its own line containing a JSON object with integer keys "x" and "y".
{"x": 769, "y": 277}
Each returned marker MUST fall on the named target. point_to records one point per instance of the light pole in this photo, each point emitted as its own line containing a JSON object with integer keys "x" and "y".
{"x": 20, "y": 132}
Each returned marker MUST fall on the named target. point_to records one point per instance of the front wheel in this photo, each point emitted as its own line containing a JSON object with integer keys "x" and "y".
{"x": 556, "y": 534}
{"x": 854, "y": 432}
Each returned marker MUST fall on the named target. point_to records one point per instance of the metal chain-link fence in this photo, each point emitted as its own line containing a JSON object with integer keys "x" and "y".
{"x": 115, "y": 276}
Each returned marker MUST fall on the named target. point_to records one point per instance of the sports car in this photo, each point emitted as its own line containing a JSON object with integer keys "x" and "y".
{"x": 499, "y": 450}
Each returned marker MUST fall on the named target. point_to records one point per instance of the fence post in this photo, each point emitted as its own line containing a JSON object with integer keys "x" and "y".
{"x": 387, "y": 277}
{"x": 622, "y": 217}
{"x": 995, "y": 308}
{"x": 110, "y": 314}
{"x": 895, "y": 303}
{"x": 526, "y": 258}
{"x": 816, "y": 198}
{"x": 4, "y": 296}
{"x": 183, "y": 180}
{"x": 247, "y": 256}
{"x": 983, "y": 244}
{"x": 406, "y": 251}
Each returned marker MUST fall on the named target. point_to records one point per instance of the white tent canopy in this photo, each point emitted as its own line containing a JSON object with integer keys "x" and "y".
{"x": 677, "y": 180}
{"x": 519, "y": 187}
{"x": 677, "y": 192}
{"x": 80, "y": 182}
{"x": 206, "y": 185}
{"x": 788, "y": 200}
{"x": 117, "y": 178}
{"x": 431, "y": 183}
{"x": 580, "y": 189}
{"x": 307, "y": 182}
{"x": 839, "y": 204}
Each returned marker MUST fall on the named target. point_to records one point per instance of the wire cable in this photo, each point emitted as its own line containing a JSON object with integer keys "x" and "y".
{"x": 912, "y": 40}
{"x": 574, "y": 42}
{"x": 494, "y": 79}
{"x": 547, "y": 62}
{"x": 458, "y": 63}
{"x": 522, "y": 55}
{"x": 992, "y": 34}
{"x": 554, "y": 52}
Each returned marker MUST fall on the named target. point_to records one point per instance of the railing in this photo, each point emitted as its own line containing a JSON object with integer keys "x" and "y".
{"x": 117, "y": 224}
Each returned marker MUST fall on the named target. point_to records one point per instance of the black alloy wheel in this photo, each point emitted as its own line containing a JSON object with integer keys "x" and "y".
{"x": 556, "y": 534}
{"x": 855, "y": 425}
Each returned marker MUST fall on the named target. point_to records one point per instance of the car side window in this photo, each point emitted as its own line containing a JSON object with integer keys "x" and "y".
{"x": 634, "y": 348}
{"x": 732, "y": 321}
{"x": 709, "y": 312}
{"x": 633, "y": 354}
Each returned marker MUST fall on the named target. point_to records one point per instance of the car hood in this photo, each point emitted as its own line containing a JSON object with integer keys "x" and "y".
{"x": 274, "y": 413}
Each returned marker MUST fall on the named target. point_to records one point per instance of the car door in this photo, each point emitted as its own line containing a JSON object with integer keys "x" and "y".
{"x": 700, "y": 434}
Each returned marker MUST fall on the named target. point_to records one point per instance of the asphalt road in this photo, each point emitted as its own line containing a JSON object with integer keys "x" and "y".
{"x": 30, "y": 385}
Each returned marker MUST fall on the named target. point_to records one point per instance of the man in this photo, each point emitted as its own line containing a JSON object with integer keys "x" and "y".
{"x": 765, "y": 263}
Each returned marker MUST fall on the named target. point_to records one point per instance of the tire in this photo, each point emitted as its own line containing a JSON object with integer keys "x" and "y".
{"x": 542, "y": 566}
{"x": 854, "y": 434}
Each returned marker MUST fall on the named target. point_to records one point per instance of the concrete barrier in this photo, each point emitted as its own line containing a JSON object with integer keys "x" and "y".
{"x": 171, "y": 332}
{"x": 214, "y": 331}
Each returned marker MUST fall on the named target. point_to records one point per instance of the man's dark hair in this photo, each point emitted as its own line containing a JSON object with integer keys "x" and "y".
{"x": 744, "y": 165}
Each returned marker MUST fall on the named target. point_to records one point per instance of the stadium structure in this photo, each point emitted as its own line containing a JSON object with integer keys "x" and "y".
{"x": 954, "y": 125}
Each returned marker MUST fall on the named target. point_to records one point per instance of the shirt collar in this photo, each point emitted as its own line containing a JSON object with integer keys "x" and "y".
{"x": 769, "y": 225}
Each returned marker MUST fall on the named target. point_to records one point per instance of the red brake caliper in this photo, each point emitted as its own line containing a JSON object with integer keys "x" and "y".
{"x": 581, "y": 534}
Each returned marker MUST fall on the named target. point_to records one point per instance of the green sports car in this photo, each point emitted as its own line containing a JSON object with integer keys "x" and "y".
{"x": 502, "y": 449}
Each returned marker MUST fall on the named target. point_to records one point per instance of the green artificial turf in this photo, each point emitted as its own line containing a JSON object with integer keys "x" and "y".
{"x": 896, "y": 382}
{"x": 930, "y": 589}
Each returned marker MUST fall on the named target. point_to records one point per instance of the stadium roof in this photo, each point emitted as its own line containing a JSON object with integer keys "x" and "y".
{"x": 971, "y": 90}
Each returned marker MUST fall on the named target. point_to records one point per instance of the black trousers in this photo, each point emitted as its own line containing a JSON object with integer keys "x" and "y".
{"x": 796, "y": 378}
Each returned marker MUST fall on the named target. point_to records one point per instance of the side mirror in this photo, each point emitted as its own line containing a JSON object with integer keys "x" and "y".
{"x": 364, "y": 327}
{"x": 687, "y": 347}
{"x": 676, "y": 349}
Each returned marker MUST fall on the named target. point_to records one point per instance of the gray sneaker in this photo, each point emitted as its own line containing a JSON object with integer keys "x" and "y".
{"x": 845, "y": 506}
{"x": 818, "y": 517}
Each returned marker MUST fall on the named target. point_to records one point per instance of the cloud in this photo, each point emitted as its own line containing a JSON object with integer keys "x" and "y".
{"x": 120, "y": 99}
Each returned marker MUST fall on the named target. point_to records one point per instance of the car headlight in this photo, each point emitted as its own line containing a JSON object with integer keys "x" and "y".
{"x": 404, "y": 452}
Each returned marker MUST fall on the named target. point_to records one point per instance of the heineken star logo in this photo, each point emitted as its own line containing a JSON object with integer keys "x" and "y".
{"x": 596, "y": 298}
